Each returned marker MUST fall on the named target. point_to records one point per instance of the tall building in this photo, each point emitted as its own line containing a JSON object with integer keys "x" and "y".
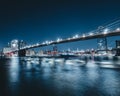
{"x": 118, "y": 47}
{"x": 30, "y": 52}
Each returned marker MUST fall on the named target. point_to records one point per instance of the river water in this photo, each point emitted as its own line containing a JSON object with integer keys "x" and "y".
{"x": 43, "y": 78}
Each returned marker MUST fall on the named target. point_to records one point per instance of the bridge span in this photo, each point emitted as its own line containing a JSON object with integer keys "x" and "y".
{"x": 104, "y": 34}
{"x": 75, "y": 38}
{"x": 112, "y": 29}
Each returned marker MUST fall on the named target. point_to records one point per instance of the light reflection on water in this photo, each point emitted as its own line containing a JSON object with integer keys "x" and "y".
{"x": 53, "y": 78}
{"x": 14, "y": 70}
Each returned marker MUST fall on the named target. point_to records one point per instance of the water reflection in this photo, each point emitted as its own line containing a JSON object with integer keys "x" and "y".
{"x": 58, "y": 77}
{"x": 14, "y": 69}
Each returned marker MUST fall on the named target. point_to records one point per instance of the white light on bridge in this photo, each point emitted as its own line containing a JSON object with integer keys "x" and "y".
{"x": 83, "y": 35}
{"x": 118, "y": 29}
{"x": 47, "y": 42}
{"x": 91, "y": 33}
{"x": 105, "y": 31}
{"x": 59, "y": 39}
{"x": 37, "y": 44}
{"x": 43, "y": 43}
{"x": 76, "y": 36}
{"x": 51, "y": 41}
{"x": 68, "y": 38}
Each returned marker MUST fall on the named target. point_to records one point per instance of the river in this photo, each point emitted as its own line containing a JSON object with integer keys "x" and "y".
{"x": 43, "y": 78}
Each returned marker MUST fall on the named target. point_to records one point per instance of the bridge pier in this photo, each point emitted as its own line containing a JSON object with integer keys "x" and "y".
{"x": 22, "y": 53}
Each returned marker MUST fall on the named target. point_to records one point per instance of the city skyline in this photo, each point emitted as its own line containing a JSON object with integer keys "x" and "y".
{"x": 38, "y": 21}
{"x": 59, "y": 47}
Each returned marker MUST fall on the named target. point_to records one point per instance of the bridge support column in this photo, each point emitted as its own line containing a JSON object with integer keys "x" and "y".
{"x": 22, "y": 53}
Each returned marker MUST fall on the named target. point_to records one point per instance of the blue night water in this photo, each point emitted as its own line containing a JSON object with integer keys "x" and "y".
{"x": 26, "y": 78}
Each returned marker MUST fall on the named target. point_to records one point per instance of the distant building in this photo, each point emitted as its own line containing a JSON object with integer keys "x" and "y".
{"x": 55, "y": 50}
{"x": 40, "y": 53}
{"x": 6, "y": 49}
{"x": 118, "y": 47}
{"x": 30, "y": 53}
{"x": 117, "y": 43}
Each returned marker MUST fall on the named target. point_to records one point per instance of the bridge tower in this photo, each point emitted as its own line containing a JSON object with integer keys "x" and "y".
{"x": 16, "y": 44}
{"x": 21, "y": 53}
{"x": 102, "y": 41}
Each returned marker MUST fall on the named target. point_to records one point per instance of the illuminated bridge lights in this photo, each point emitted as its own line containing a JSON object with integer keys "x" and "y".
{"x": 105, "y": 31}
{"x": 47, "y": 42}
{"x": 69, "y": 38}
{"x": 59, "y": 39}
{"x": 118, "y": 29}
{"x": 76, "y": 36}
{"x": 43, "y": 43}
{"x": 90, "y": 35}
{"x": 83, "y": 35}
{"x": 37, "y": 44}
{"x": 51, "y": 41}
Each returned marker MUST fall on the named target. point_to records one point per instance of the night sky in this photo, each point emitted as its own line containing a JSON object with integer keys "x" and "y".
{"x": 39, "y": 20}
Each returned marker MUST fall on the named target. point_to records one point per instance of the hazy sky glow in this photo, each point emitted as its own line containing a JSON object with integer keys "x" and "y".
{"x": 40, "y": 20}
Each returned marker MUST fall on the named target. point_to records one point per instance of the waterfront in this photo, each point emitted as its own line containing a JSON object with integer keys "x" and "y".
{"x": 43, "y": 78}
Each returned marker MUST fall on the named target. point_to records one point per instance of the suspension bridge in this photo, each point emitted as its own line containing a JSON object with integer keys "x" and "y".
{"x": 101, "y": 33}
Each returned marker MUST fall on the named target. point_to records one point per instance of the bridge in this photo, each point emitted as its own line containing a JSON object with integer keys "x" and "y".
{"x": 101, "y": 33}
